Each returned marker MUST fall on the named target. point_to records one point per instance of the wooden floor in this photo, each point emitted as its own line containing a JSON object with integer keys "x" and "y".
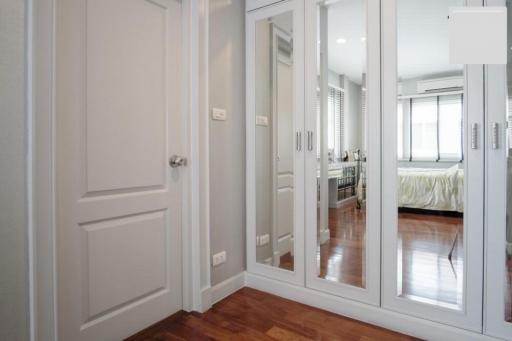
{"x": 253, "y": 315}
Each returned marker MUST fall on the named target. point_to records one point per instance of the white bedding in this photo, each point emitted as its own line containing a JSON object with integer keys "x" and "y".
{"x": 431, "y": 189}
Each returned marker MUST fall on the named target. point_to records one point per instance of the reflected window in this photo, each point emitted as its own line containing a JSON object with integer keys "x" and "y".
{"x": 430, "y": 128}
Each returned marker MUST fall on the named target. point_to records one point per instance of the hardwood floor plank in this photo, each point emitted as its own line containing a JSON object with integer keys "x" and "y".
{"x": 250, "y": 314}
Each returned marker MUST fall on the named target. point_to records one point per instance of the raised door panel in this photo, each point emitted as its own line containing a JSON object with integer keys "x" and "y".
{"x": 124, "y": 250}
{"x": 125, "y": 102}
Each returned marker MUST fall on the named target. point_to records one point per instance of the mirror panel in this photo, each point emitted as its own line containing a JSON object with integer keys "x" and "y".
{"x": 341, "y": 142}
{"x": 430, "y": 117}
{"x": 275, "y": 140}
{"x": 508, "y": 225}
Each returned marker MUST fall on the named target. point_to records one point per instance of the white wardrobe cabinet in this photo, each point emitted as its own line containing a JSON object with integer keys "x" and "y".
{"x": 377, "y": 171}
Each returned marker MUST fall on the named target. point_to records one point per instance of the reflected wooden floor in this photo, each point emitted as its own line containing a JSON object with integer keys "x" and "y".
{"x": 249, "y": 314}
{"x": 342, "y": 258}
{"x": 425, "y": 241}
{"x": 508, "y": 298}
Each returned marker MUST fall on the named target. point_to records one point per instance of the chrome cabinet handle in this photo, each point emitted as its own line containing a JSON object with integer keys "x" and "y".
{"x": 474, "y": 136}
{"x": 495, "y": 135}
{"x": 177, "y": 161}
{"x": 298, "y": 137}
{"x": 310, "y": 140}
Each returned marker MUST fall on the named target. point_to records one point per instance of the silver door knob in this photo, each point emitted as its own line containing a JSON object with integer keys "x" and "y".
{"x": 176, "y": 161}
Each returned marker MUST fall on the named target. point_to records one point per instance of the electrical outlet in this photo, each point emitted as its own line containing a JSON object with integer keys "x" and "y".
{"x": 262, "y": 121}
{"x": 219, "y": 114}
{"x": 219, "y": 258}
{"x": 264, "y": 239}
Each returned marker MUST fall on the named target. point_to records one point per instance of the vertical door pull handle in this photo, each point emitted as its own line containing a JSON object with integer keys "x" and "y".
{"x": 310, "y": 140}
{"x": 474, "y": 136}
{"x": 299, "y": 140}
{"x": 495, "y": 135}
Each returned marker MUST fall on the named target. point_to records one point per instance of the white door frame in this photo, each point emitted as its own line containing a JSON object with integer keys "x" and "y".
{"x": 40, "y": 66}
{"x": 371, "y": 293}
{"x": 470, "y": 317}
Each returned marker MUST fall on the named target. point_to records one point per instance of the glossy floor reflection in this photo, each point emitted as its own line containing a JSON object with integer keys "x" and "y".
{"x": 429, "y": 274}
{"x": 508, "y": 297}
{"x": 342, "y": 257}
{"x": 426, "y": 241}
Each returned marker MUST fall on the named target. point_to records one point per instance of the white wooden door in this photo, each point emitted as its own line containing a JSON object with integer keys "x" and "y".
{"x": 432, "y": 251}
{"x": 285, "y": 167}
{"x": 119, "y": 119}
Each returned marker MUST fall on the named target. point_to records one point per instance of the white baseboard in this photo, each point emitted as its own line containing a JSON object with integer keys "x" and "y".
{"x": 406, "y": 324}
{"x": 285, "y": 244}
{"x": 222, "y": 290}
{"x": 345, "y": 202}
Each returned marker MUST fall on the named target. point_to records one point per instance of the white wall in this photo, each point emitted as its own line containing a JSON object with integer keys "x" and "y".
{"x": 227, "y": 139}
{"x": 353, "y": 116}
{"x": 13, "y": 201}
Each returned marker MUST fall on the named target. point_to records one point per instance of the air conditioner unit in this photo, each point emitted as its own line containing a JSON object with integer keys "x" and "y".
{"x": 440, "y": 84}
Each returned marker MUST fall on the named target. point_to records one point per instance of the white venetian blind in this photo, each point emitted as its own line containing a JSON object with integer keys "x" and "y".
{"x": 424, "y": 128}
{"x": 450, "y": 127}
{"x": 335, "y": 119}
{"x": 338, "y": 98}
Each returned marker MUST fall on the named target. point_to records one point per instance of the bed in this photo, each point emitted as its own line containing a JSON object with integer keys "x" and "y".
{"x": 431, "y": 189}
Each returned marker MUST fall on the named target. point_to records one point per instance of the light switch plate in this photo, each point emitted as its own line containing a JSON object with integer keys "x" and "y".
{"x": 219, "y": 114}
{"x": 262, "y": 121}
{"x": 478, "y": 35}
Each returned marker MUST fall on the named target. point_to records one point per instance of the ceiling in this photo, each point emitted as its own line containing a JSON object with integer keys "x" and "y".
{"x": 422, "y": 38}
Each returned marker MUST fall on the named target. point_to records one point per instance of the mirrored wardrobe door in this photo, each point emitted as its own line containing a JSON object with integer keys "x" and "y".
{"x": 275, "y": 140}
{"x": 343, "y": 149}
{"x": 499, "y": 192}
{"x": 433, "y": 162}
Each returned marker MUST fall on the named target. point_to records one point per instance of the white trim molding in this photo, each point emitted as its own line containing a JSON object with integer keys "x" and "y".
{"x": 41, "y": 80}
{"x": 222, "y": 290}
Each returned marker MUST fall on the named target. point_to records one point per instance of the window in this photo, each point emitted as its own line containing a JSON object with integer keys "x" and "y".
{"x": 335, "y": 121}
{"x": 424, "y": 129}
{"x": 400, "y": 130}
{"x": 431, "y": 128}
{"x": 450, "y": 127}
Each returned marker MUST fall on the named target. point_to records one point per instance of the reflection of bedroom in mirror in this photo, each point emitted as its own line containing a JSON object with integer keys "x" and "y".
{"x": 341, "y": 141}
{"x": 274, "y": 141}
{"x": 430, "y": 152}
